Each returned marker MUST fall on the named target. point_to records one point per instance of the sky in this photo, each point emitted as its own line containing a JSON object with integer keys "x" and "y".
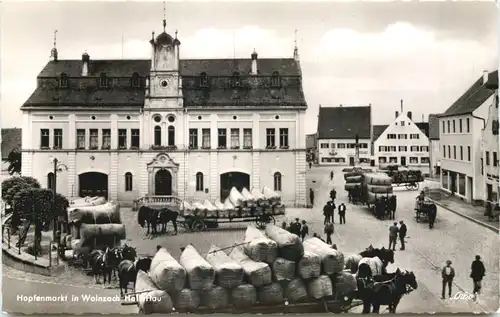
{"x": 351, "y": 53}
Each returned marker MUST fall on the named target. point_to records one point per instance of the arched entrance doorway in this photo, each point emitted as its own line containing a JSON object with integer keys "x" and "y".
{"x": 93, "y": 184}
{"x": 163, "y": 183}
{"x": 233, "y": 179}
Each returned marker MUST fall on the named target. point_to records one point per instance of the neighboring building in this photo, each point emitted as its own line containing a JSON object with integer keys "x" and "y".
{"x": 192, "y": 129}
{"x": 403, "y": 142}
{"x": 460, "y": 140}
{"x": 311, "y": 141}
{"x": 490, "y": 145}
{"x": 434, "y": 148}
{"x": 337, "y": 130}
{"x": 11, "y": 140}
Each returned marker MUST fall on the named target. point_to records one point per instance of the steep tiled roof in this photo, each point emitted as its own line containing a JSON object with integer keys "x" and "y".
{"x": 378, "y": 130}
{"x": 474, "y": 97}
{"x": 424, "y": 127}
{"x": 254, "y": 90}
{"x": 11, "y": 139}
{"x": 433, "y": 127}
{"x": 344, "y": 122}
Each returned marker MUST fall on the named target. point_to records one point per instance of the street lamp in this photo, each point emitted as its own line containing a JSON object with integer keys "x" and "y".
{"x": 58, "y": 167}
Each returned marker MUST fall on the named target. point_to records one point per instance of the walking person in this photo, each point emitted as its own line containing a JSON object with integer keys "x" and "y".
{"x": 326, "y": 212}
{"x": 310, "y": 165}
{"x": 329, "y": 230}
{"x": 477, "y": 273}
{"x": 311, "y": 196}
{"x": 342, "y": 209}
{"x": 331, "y": 175}
{"x": 332, "y": 211}
{"x": 304, "y": 231}
{"x": 448, "y": 273}
{"x": 393, "y": 236}
{"x": 333, "y": 194}
{"x": 297, "y": 227}
{"x": 402, "y": 234}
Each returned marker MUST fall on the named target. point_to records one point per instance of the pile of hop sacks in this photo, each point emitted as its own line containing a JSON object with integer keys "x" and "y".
{"x": 271, "y": 267}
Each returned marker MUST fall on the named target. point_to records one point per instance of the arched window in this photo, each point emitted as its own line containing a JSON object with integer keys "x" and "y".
{"x": 128, "y": 182}
{"x": 63, "y": 81}
{"x": 136, "y": 80}
{"x": 171, "y": 135}
{"x": 199, "y": 182}
{"x": 157, "y": 138}
{"x": 50, "y": 181}
{"x": 103, "y": 82}
{"x": 275, "y": 80}
{"x": 277, "y": 181}
{"x": 236, "y": 79}
{"x": 203, "y": 80}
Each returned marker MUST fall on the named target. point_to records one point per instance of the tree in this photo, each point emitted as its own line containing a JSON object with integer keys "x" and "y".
{"x": 38, "y": 206}
{"x": 13, "y": 185}
{"x": 14, "y": 160}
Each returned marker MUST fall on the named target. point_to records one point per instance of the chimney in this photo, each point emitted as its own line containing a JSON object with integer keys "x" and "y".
{"x": 408, "y": 114}
{"x": 485, "y": 77}
{"x": 85, "y": 64}
{"x": 397, "y": 114}
{"x": 255, "y": 70}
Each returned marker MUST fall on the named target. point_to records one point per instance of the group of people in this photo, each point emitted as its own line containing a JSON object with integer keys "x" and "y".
{"x": 395, "y": 232}
{"x": 298, "y": 228}
{"x": 478, "y": 271}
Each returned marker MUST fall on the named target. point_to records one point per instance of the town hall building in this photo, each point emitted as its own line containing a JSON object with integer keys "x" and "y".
{"x": 167, "y": 126}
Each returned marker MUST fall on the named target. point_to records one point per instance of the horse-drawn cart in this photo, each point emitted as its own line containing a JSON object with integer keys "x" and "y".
{"x": 401, "y": 176}
{"x": 198, "y": 223}
{"x": 426, "y": 209}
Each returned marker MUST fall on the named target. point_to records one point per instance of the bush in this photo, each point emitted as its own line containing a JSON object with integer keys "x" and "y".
{"x": 14, "y": 185}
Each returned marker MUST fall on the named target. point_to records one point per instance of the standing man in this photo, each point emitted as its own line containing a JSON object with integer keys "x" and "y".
{"x": 477, "y": 273}
{"x": 311, "y": 196}
{"x": 342, "y": 210}
{"x": 329, "y": 230}
{"x": 332, "y": 211}
{"x": 393, "y": 236}
{"x": 304, "y": 231}
{"x": 331, "y": 175}
{"x": 326, "y": 212}
{"x": 310, "y": 165}
{"x": 297, "y": 228}
{"x": 333, "y": 194}
{"x": 402, "y": 234}
{"x": 448, "y": 273}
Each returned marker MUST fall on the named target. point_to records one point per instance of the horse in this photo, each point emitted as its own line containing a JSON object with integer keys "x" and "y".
{"x": 128, "y": 252}
{"x": 388, "y": 292}
{"x": 352, "y": 262}
{"x": 391, "y": 207}
{"x": 431, "y": 214}
{"x": 152, "y": 217}
{"x": 127, "y": 271}
{"x": 385, "y": 255}
{"x": 100, "y": 264}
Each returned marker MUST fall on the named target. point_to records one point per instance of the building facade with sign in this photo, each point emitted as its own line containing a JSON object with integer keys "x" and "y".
{"x": 337, "y": 130}
{"x": 491, "y": 150}
{"x": 403, "y": 143}
{"x": 192, "y": 129}
{"x": 460, "y": 135}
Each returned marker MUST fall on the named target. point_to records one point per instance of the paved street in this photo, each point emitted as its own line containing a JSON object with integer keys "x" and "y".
{"x": 453, "y": 238}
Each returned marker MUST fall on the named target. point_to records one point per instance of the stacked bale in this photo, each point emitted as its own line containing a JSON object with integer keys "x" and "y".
{"x": 94, "y": 223}
{"x": 353, "y": 179}
{"x": 228, "y": 273}
{"x": 376, "y": 185}
{"x": 332, "y": 261}
{"x": 258, "y": 247}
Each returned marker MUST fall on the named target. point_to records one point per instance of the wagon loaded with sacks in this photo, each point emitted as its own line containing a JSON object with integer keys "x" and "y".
{"x": 93, "y": 224}
{"x": 402, "y": 176}
{"x": 259, "y": 206}
{"x": 271, "y": 272}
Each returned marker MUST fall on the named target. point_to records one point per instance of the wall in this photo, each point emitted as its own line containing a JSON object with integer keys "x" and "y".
{"x": 346, "y": 153}
{"x": 434, "y": 156}
{"x": 490, "y": 144}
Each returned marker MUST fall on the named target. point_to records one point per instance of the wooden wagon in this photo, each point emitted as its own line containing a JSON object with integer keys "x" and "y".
{"x": 425, "y": 210}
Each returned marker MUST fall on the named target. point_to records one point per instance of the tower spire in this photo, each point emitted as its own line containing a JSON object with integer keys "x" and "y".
{"x": 53, "y": 52}
{"x": 296, "y": 49}
{"x": 164, "y": 16}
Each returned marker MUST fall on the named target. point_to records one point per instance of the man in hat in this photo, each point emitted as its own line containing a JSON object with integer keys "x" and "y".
{"x": 477, "y": 273}
{"x": 342, "y": 209}
{"x": 311, "y": 196}
{"x": 402, "y": 234}
{"x": 296, "y": 227}
{"x": 393, "y": 236}
{"x": 448, "y": 274}
{"x": 304, "y": 231}
{"x": 329, "y": 230}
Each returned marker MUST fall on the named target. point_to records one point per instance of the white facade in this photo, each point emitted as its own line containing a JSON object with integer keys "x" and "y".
{"x": 403, "y": 143}
{"x": 434, "y": 157}
{"x": 490, "y": 147}
{"x": 343, "y": 151}
{"x": 461, "y": 153}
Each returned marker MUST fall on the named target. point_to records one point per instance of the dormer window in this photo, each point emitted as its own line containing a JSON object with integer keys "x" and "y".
{"x": 236, "y": 79}
{"x": 203, "y": 80}
{"x": 63, "y": 81}
{"x": 275, "y": 80}
{"x": 103, "y": 82}
{"x": 136, "y": 80}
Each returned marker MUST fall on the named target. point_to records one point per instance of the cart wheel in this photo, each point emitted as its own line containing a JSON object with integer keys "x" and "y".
{"x": 412, "y": 186}
{"x": 198, "y": 225}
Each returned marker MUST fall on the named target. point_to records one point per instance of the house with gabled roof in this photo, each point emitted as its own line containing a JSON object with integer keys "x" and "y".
{"x": 167, "y": 127}
{"x": 460, "y": 134}
{"x": 337, "y": 131}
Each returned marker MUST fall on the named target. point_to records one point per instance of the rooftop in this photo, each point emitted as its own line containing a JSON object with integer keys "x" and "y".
{"x": 344, "y": 122}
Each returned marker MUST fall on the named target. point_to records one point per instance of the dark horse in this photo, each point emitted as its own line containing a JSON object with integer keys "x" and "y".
{"x": 152, "y": 217}
{"x": 391, "y": 207}
{"x": 388, "y": 292}
{"x": 385, "y": 255}
{"x": 431, "y": 214}
{"x": 127, "y": 271}
{"x": 102, "y": 263}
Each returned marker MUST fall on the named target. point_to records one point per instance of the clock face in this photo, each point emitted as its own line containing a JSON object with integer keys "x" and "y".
{"x": 163, "y": 83}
